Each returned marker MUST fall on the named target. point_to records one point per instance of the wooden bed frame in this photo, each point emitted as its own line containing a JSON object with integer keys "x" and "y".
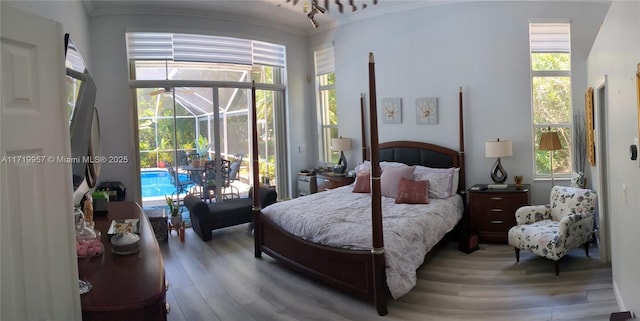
{"x": 358, "y": 272}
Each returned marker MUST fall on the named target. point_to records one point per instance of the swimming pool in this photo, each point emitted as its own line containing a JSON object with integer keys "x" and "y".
{"x": 157, "y": 182}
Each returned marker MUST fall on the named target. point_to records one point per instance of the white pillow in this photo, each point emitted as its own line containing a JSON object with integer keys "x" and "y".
{"x": 390, "y": 179}
{"x": 367, "y": 165}
{"x": 420, "y": 171}
{"x": 441, "y": 180}
{"x": 392, "y": 164}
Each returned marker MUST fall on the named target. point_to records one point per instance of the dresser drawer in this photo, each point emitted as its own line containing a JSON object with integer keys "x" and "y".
{"x": 327, "y": 182}
{"x": 496, "y": 222}
{"x": 499, "y": 203}
{"x": 493, "y": 212}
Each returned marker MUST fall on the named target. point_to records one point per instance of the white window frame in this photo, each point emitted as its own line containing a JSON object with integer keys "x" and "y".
{"x": 325, "y": 68}
{"x": 553, "y": 45}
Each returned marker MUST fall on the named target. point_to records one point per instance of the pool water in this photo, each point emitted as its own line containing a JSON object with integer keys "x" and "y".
{"x": 158, "y": 182}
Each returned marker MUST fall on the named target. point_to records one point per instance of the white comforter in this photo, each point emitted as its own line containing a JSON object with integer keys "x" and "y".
{"x": 342, "y": 219}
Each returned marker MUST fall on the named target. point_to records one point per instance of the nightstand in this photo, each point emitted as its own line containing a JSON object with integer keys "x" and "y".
{"x": 492, "y": 211}
{"x": 326, "y": 181}
{"x": 306, "y": 184}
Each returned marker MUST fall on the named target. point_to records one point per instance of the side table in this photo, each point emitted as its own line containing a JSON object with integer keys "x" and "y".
{"x": 327, "y": 181}
{"x": 493, "y": 210}
{"x": 158, "y": 220}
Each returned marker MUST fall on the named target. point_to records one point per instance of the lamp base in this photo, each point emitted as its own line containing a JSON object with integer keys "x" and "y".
{"x": 341, "y": 167}
{"x": 498, "y": 173}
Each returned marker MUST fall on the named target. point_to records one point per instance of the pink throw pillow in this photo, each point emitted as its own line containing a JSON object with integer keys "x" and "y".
{"x": 412, "y": 192}
{"x": 390, "y": 178}
{"x": 363, "y": 182}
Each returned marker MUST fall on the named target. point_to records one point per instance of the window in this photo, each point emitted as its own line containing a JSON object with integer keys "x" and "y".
{"x": 326, "y": 103}
{"x": 189, "y": 87}
{"x": 551, "y": 94}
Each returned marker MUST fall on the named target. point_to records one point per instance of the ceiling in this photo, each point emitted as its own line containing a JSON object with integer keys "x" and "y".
{"x": 286, "y": 15}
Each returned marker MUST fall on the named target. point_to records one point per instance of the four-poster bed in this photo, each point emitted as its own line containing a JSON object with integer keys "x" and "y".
{"x": 362, "y": 265}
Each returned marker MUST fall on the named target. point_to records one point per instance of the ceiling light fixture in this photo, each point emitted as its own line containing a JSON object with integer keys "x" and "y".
{"x": 315, "y": 9}
{"x": 312, "y": 7}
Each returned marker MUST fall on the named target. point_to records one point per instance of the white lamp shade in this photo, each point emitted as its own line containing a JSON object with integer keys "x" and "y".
{"x": 499, "y": 148}
{"x": 340, "y": 144}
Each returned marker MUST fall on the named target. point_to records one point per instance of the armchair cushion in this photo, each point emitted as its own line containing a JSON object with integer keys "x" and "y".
{"x": 532, "y": 213}
{"x": 553, "y": 230}
{"x": 541, "y": 238}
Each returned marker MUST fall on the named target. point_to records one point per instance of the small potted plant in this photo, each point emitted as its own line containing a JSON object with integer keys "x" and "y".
{"x": 202, "y": 148}
{"x": 174, "y": 211}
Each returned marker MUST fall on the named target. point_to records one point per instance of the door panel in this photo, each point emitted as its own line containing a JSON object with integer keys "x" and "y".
{"x": 39, "y": 267}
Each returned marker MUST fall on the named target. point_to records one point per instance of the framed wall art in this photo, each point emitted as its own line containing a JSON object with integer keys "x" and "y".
{"x": 392, "y": 110}
{"x": 588, "y": 106}
{"x": 427, "y": 110}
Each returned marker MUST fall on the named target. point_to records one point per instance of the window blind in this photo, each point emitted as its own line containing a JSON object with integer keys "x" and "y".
{"x": 550, "y": 37}
{"x": 203, "y": 48}
{"x": 325, "y": 62}
{"x": 269, "y": 54}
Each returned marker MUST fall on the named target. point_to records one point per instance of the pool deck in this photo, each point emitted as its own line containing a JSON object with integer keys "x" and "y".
{"x": 160, "y": 200}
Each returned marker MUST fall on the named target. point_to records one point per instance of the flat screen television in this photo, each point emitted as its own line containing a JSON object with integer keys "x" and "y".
{"x": 83, "y": 122}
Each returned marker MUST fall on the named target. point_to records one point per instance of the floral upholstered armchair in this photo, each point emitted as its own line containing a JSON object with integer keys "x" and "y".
{"x": 553, "y": 230}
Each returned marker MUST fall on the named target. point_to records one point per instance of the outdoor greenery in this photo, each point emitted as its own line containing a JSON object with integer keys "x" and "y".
{"x": 552, "y": 108}
{"x": 156, "y": 122}
{"x": 329, "y": 116}
{"x": 203, "y": 147}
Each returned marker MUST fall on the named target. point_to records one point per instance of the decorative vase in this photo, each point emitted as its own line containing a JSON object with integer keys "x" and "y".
{"x": 195, "y": 163}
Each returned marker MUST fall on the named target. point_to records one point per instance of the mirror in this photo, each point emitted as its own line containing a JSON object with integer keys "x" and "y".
{"x": 84, "y": 124}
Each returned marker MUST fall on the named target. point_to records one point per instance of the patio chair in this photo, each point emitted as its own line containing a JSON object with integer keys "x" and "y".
{"x": 181, "y": 185}
{"x": 229, "y": 173}
{"x": 234, "y": 172}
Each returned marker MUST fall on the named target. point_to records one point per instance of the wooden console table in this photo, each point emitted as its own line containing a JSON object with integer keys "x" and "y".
{"x": 129, "y": 287}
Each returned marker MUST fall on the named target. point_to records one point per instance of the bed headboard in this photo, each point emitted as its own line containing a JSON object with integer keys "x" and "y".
{"x": 424, "y": 154}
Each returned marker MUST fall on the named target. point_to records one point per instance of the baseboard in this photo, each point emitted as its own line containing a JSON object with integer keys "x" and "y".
{"x": 616, "y": 292}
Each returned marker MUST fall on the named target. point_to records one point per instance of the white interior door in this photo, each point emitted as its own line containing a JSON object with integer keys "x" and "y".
{"x": 38, "y": 265}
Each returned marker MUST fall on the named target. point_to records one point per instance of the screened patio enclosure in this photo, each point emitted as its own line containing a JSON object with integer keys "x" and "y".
{"x": 172, "y": 119}
{"x": 191, "y": 87}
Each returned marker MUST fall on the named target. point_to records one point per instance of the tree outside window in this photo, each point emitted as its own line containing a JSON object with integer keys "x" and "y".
{"x": 551, "y": 95}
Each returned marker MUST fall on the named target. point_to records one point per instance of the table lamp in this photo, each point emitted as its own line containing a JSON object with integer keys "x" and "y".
{"x": 498, "y": 148}
{"x": 341, "y": 144}
{"x": 550, "y": 141}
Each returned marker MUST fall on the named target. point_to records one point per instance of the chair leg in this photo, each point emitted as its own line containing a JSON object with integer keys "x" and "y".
{"x": 517, "y": 254}
{"x": 586, "y": 248}
{"x": 556, "y": 265}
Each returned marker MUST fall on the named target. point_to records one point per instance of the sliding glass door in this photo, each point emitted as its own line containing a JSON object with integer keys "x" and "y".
{"x": 174, "y": 123}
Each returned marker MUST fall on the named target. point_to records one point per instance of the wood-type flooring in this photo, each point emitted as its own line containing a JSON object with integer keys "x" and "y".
{"x": 221, "y": 280}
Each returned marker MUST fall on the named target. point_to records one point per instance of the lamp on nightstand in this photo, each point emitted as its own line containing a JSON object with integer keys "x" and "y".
{"x": 341, "y": 144}
{"x": 498, "y": 148}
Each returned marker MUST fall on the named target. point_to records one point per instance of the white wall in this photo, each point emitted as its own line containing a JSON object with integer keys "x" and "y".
{"x": 615, "y": 53}
{"x": 72, "y": 15}
{"x": 110, "y": 72}
{"x": 431, "y": 51}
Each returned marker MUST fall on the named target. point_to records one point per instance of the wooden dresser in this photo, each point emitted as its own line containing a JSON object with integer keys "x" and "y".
{"x": 493, "y": 210}
{"x": 326, "y": 181}
{"x": 125, "y": 287}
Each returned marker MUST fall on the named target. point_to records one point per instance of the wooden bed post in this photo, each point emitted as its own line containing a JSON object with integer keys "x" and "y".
{"x": 256, "y": 173}
{"x": 379, "y": 289}
{"x": 461, "y": 185}
{"x": 363, "y": 130}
